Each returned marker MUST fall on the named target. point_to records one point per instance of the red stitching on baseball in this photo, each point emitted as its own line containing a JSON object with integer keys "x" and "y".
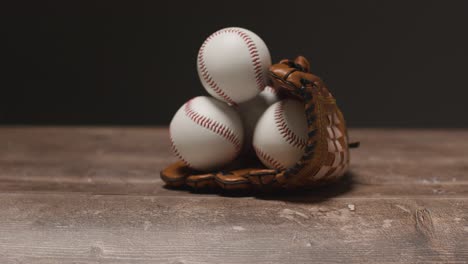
{"x": 176, "y": 151}
{"x": 284, "y": 130}
{"x": 213, "y": 126}
{"x": 254, "y": 55}
{"x": 206, "y": 76}
{"x": 275, "y": 163}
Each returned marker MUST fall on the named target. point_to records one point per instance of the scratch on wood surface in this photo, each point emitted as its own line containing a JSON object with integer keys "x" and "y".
{"x": 238, "y": 228}
{"x": 387, "y": 223}
{"x": 424, "y": 223}
{"x": 291, "y": 215}
{"x": 403, "y": 208}
{"x": 147, "y": 225}
{"x": 287, "y": 213}
{"x": 96, "y": 251}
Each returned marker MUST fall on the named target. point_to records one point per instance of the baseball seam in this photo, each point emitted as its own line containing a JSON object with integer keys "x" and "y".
{"x": 264, "y": 156}
{"x": 254, "y": 55}
{"x": 284, "y": 130}
{"x": 176, "y": 152}
{"x": 213, "y": 126}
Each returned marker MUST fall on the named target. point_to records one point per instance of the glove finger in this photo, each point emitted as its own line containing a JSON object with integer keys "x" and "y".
{"x": 262, "y": 176}
{"x": 201, "y": 181}
{"x": 175, "y": 174}
{"x": 303, "y": 62}
{"x": 233, "y": 180}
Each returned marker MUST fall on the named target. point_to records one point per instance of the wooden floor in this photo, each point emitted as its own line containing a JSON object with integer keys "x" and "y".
{"x": 93, "y": 195}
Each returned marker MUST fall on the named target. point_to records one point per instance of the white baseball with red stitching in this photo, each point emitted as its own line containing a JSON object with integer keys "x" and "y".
{"x": 206, "y": 133}
{"x": 232, "y": 64}
{"x": 251, "y": 111}
{"x": 280, "y": 136}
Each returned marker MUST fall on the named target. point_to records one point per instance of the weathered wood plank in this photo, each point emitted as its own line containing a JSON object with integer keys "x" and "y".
{"x": 128, "y": 160}
{"x": 93, "y": 195}
{"x": 65, "y": 228}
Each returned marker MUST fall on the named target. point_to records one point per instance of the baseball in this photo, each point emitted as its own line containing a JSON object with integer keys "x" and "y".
{"x": 232, "y": 65}
{"x": 251, "y": 111}
{"x": 206, "y": 133}
{"x": 280, "y": 136}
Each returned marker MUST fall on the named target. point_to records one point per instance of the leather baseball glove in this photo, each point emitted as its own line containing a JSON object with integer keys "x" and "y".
{"x": 326, "y": 156}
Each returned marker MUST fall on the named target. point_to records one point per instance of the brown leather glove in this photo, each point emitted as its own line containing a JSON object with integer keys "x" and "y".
{"x": 326, "y": 157}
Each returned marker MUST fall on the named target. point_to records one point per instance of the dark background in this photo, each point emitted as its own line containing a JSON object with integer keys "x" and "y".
{"x": 389, "y": 63}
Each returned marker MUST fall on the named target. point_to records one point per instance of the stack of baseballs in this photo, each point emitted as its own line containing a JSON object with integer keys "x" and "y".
{"x": 244, "y": 113}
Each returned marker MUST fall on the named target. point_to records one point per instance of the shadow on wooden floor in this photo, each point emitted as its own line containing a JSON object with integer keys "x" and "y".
{"x": 314, "y": 195}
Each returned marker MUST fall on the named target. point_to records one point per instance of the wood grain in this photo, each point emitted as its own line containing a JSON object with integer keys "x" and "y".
{"x": 93, "y": 195}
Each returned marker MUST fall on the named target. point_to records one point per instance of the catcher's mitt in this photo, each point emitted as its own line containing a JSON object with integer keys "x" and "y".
{"x": 326, "y": 156}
